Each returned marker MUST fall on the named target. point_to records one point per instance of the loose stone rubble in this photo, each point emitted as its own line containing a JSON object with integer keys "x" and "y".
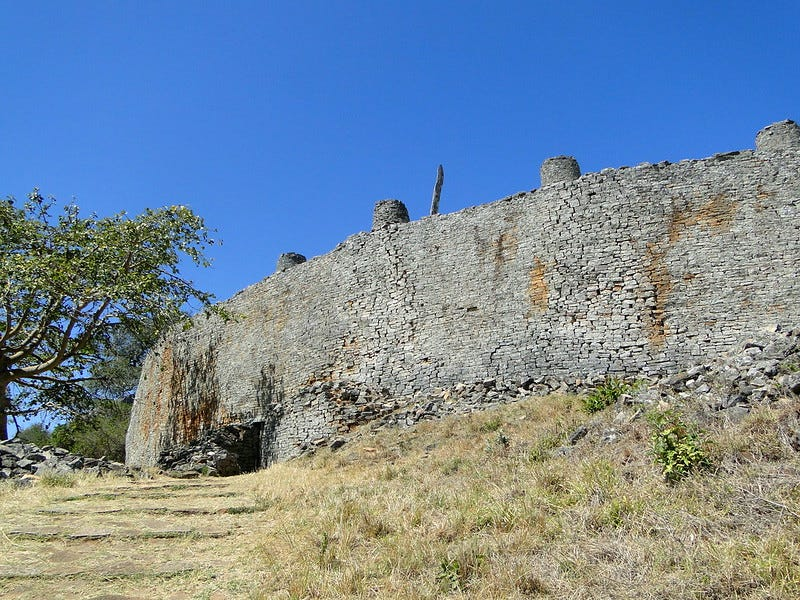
{"x": 19, "y": 459}
{"x": 762, "y": 370}
{"x": 228, "y": 451}
{"x": 765, "y": 368}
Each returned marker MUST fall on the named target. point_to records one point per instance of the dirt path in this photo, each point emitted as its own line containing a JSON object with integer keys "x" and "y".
{"x": 126, "y": 539}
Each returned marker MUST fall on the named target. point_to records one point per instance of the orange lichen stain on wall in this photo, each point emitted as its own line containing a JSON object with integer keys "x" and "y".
{"x": 658, "y": 274}
{"x": 194, "y": 386}
{"x": 763, "y": 194}
{"x": 717, "y": 213}
{"x": 537, "y": 287}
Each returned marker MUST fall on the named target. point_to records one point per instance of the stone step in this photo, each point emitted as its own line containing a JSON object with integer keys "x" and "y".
{"x": 45, "y": 534}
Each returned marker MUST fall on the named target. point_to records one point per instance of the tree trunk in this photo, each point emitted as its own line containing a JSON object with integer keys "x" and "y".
{"x": 437, "y": 190}
{"x": 5, "y": 404}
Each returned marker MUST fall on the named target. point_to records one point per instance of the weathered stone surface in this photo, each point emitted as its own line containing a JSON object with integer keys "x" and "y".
{"x": 783, "y": 135}
{"x": 628, "y": 272}
{"x": 229, "y": 450}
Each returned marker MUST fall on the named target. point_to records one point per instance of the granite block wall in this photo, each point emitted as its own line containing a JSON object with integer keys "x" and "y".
{"x": 637, "y": 270}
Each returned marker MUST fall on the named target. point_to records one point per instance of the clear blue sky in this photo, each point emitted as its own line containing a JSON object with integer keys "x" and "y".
{"x": 283, "y": 122}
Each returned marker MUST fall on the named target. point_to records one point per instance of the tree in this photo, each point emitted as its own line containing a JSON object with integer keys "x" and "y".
{"x": 67, "y": 283}
{"x": 35, "y": 433}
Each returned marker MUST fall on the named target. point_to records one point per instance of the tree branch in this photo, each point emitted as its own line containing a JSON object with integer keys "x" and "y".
{"x": 64, "y": 351}
{"x": 9, "y": 331}
{"x": 37, "y": 334}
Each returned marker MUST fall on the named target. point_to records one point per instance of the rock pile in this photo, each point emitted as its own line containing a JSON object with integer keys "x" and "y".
{"x": 19, "y": 459}
{"x": 465, "y": 398}
{"x": 763, "y": 369}
{"x": 230, "y": 450}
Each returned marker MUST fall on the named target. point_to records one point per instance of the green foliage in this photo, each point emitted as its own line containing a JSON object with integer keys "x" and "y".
{"x": 99, "y": 434}
{"x": 678, "y": 447}
{"x": 500, "y": 442}
{"x": 327, "y": 555}
{"x": 541, "y": 449}
{"x": 67, "y": 283}
{"x": 123, "y": 350}
{"x": 456, "y": 571}
{"x": 790, "y": 367}
{"x": 452, "y": 466}
{"x": 449, "y": 575}
{"x": 605, "y": 395}
{"x": 503, "y": 440}
{"x": 36, "y": 434}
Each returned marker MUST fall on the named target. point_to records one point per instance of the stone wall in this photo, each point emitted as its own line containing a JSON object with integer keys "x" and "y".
{"x": 626, "y": 271}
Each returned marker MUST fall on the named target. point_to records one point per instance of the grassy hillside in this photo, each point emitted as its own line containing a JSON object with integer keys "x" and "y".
{"x": 493, "y": 505}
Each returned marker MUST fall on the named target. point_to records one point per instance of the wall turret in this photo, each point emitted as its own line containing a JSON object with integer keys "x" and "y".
{"x": 387, "y": 212}
{"x": 289, "y": 260}
{"x": 783, "y": 135}
{"x": 558, "y": 169}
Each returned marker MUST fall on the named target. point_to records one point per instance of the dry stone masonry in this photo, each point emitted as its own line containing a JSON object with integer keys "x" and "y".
{"x": 630, "y": 272}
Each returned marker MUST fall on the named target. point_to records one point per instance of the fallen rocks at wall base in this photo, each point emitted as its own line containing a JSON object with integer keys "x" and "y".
{"x": 761, "y": 371}
{"x": 764, "y": 369}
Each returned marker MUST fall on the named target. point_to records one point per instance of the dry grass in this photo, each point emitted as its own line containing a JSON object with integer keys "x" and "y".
{"x": 472, "y": 507}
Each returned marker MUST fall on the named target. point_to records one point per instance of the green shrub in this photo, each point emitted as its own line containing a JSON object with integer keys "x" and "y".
{"x": 97, "y": 435}
{"x": 605, "y": 394}
{"x": 36, "y": 434}
{"x": 455, "y": 572}
{"x": 678, "y": 447}
{"x": 541, "y": 449}
{"x": 503, "y": 440}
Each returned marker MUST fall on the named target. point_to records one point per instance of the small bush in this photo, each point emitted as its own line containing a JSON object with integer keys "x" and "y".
{"x": 678, "y": 447}
{"x": 96, "y": 435}
{"x": 455, "y": 572}
{"x": 452, "y": 466}
{"x": 491, "y": 425}
{"x": 449, "y": 575}
{"x": 503, "y": 440}
{"x": 541, "y": 449}
{"x": 606, "y": 394}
